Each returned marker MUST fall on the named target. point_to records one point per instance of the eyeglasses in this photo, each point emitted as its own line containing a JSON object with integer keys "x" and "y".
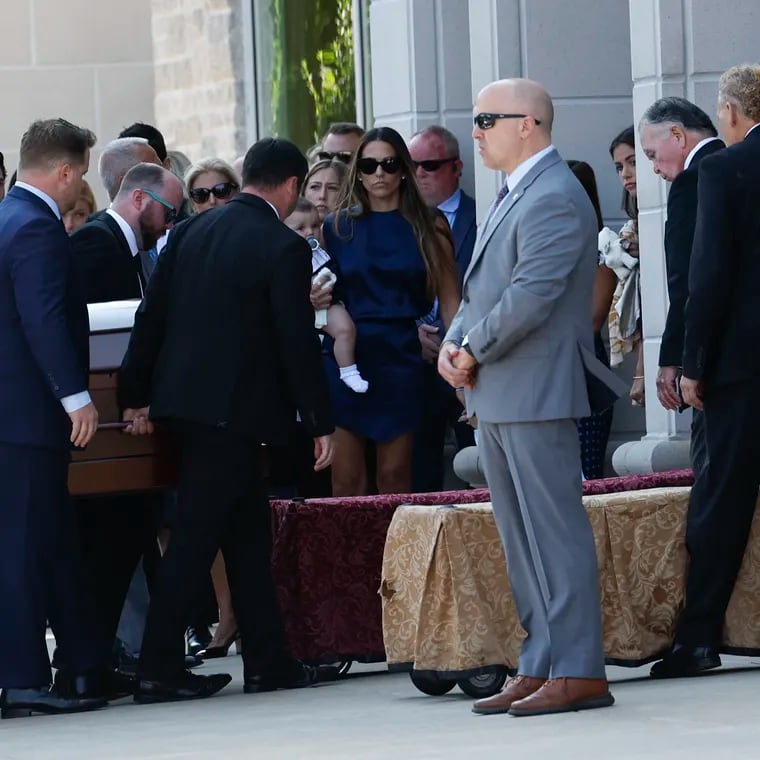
{"x": 433, "y": 165}
{"x": 342, "y": 155}
{"x": 488, "y": 120}
{"x": 389, "y": 165}
{"x": 221, "y": 191}
{"x": 171, "y": 212}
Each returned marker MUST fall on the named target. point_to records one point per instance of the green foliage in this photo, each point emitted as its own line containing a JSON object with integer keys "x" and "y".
{"x": 329, "y": 77}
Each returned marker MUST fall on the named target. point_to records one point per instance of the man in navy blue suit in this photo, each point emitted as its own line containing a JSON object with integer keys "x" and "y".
{"x": 45, "y": 408}
{"x": 435, "y": 152}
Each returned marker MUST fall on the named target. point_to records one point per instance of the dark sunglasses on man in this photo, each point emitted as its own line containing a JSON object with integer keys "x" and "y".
{"x": 434, "y": 164}
{"x": 488, "y": 120}
{"x": 221, "y": 192}
{"x": 171, "y": 213}
{"x": 342, "y": 155}
{"x": 389, "y": 165}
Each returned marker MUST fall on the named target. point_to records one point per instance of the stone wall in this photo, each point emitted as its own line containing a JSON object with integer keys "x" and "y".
{"x": 52, "y": 64}
{"x": 199, "y": 53}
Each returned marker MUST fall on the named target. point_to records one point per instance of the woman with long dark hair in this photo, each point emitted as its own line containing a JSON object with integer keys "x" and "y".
{"x": 394, "y": 256}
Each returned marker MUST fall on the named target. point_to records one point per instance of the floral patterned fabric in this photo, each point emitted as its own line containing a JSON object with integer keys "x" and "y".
{"x": 328, "y": 554}
{"x": 447, "y": 605}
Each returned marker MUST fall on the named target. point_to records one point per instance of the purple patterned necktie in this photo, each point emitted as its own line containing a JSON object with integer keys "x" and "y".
{"x": 502, "y": 195}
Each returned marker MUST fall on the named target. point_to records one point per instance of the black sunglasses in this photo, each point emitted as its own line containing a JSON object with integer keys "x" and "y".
{"x": 433, "y": 165}
{"x": 221, "y": 191}
{"x": 488, "y": 120}
{"x": 389, "y": 165}
{"x": 342, "y": 155}
{"x": 169, "y": 210}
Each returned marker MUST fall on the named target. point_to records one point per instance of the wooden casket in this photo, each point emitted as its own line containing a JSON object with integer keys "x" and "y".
{"x": 114, "y": 462}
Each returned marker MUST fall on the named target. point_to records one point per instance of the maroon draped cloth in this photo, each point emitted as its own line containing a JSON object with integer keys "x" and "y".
{"x": 327, "y": 557}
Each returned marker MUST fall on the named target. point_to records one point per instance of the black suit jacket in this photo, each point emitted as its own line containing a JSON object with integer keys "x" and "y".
{"x": 44, "y": 330}
{"x": 225, "y": 334}
{"x": 106, "y": 268}
{"x": 722, "y": 314}
{"x": 679, "y": 237}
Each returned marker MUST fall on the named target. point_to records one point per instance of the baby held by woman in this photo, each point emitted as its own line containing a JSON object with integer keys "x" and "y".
{"x": 335, "y": 321}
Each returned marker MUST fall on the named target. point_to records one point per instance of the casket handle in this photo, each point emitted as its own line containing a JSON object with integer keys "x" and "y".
{"x": 113, "y": 425}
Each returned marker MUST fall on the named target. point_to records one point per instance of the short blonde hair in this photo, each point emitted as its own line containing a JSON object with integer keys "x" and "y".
{"x": 210, "y": 165}
{"x": 740, "y": 86}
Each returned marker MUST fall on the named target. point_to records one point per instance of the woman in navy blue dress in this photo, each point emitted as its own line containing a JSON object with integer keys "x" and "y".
{"x": 394, "y": 256}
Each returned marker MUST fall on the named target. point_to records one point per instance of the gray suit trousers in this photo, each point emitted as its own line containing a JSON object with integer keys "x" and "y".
{"x": 534, "y": 472}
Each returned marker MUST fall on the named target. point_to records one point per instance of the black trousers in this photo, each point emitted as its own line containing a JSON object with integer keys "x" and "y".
{"x": 222, "y": 503}
{"x": 115, "y": 533}
{"x": 40, "y": 570}
{"x": 441, "y": 410}
{"x": 721, "y": 509}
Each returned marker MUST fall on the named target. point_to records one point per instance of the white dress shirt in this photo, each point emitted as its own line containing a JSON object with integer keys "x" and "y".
{"x": 128, "y": 232}
{"x": 76, "y": 400}
{"x": 693, "y": 152}
{"x": 522, "y": 169}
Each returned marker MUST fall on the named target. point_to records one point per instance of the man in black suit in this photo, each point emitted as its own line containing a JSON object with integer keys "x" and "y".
{"x": 721, "y": 370}
{"x": 117, "y": 530}
{"x": 106, "y": 249}
{"x": 44, "y": 409}
{"x": 435, "y": 152}
{"x": 224, "y": 351}
{"x": 675, "y": 136}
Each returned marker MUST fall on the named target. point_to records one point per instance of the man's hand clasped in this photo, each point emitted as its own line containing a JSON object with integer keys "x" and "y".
{"x": 456, "y": 366}
{"x": 691, "y": 391}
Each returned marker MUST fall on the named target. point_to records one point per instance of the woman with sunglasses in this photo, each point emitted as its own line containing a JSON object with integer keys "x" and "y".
{"x": 322, "y": 185}
{"x": 394, "y": 256}
{"x": 210, "y": 182}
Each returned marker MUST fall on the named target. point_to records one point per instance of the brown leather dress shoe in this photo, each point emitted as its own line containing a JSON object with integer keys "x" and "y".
{"x": 518, "y": 687}
{"x": 559, "y": 695}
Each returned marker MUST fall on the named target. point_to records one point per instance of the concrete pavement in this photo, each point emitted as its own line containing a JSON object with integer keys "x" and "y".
{"x": 372, "y": 714}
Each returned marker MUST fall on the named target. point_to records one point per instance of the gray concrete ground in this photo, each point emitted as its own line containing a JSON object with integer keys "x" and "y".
{"x": 373, "y": 714}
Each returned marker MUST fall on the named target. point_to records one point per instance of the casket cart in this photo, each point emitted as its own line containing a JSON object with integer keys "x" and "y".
{"x": 114, "y": 462}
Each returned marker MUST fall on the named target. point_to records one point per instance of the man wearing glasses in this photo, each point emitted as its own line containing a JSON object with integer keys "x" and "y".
{"x": 340, "y": 141}
{"x": 435, "y": 152}
{"x": 106, "y": 250}
{"x": 521, "y": 344}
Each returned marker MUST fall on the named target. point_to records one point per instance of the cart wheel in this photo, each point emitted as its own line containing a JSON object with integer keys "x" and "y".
{"x": 344, "y": 667}
{"x": 484, "y": 685}
{"x": 432, "y": 685}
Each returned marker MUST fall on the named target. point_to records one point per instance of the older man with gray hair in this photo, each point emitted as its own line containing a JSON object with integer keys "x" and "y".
{"x": 721, "y": 371}
{"x": 119, "y": 156}
{"x": 675, "y": 136}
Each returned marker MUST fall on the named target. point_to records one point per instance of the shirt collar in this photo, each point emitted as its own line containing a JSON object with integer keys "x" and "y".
{"x": 451, "y": 204}
{"x": 276, "y": 212}
{"x": 41, "y": 195}
{"x": 748, "y": 131}
{"x": 522, "y": 169}
{"x": 701, "y": 144}
{"x": 129, "y": 233}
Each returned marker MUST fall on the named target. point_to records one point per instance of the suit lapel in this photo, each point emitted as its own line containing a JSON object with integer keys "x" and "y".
{"x": 496, "y": 216}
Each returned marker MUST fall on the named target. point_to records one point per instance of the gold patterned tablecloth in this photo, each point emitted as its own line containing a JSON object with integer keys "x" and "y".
{"x": 447, "y": 606}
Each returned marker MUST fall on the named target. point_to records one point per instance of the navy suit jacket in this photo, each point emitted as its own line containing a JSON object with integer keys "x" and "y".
{"x": 465, "y": 231}
{"x": 44, "y": 327}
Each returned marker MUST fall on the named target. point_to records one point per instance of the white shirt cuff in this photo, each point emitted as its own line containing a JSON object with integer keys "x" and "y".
{"x": 77, "y": 401}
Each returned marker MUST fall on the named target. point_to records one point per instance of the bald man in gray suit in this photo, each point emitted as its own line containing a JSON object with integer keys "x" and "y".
{"x": 521, "y": 344}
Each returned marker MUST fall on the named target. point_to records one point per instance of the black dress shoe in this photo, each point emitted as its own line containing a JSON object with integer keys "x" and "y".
{"x": 686, "y": 661}
{"x": 291, "y": 675}
{"x": 101, "y": 683}
{"x": 197, "y": 638}
{"x": 15, "y": 703}
{"x": 182, "y": 687}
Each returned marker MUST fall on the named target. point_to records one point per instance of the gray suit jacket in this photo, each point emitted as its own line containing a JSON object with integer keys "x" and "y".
{"x": 526, "y": 302}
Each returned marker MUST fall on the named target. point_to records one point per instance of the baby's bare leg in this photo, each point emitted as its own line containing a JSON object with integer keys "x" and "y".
{"x": 341, "y": 328}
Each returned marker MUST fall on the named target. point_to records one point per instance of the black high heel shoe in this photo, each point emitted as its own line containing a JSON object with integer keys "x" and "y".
{"x": 220, "y": 651}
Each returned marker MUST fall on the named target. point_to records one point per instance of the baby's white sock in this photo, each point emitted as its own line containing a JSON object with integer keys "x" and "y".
{"x": 353, "y": 379}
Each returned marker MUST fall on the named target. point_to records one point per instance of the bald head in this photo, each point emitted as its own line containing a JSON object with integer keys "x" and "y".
{"x": 504, "y": 143}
